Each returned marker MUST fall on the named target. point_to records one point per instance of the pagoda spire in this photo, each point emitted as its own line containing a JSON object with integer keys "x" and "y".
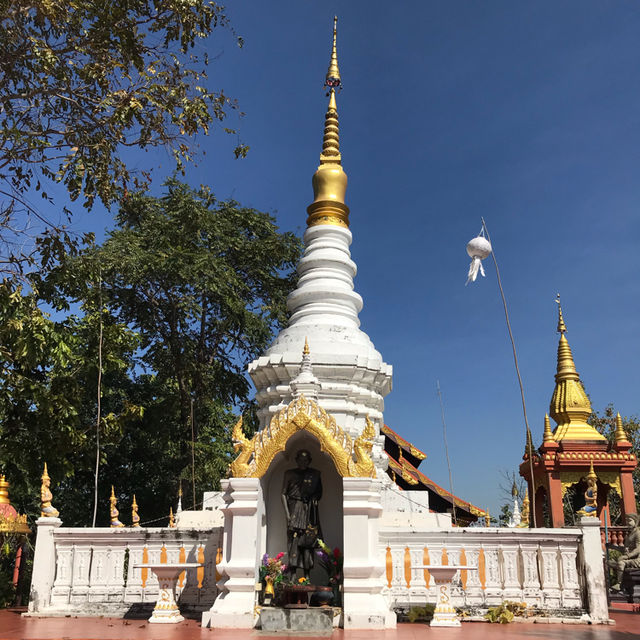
{"x": 570, "y": 406}
{"x": 330, "y": 180}
{"x": 548, "y": 435}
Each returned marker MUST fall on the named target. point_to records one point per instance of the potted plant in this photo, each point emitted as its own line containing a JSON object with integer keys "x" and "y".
{"x": 271, "y": 575}
{"x": 332, "y": 561}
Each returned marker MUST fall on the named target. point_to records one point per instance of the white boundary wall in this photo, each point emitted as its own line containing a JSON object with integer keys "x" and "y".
{"x": 89, "y": 571}
{"x": 557, "y": 570}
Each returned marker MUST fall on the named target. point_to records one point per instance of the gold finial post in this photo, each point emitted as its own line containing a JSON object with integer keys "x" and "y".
{"x": 113, "y": 511}
{"x": 135, "y": 518}
{"x": 548, "y": 435}
{"x": 46, "y": 509}
{"x": 305, "y": 351}
{"x": 330, "y": 180}
{"x": 562, "y": 327}
{"x": 333, "y": 73}
{"x": 620, "y": 434}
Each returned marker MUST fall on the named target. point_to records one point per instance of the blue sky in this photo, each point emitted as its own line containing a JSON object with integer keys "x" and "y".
{"x": 525, "y": 113}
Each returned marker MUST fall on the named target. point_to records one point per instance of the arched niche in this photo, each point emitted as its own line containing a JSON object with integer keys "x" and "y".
{"x": 330, "y": 506}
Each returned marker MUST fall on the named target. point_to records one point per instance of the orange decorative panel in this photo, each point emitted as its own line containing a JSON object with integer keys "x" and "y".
{"x": 407, "y": 567}
{"x": 425, "y": 560}
{"x": 200, "y": 570}
{"x": 218, "y": 561}
{"x": 445, "y": 556}
{"x": 182, "y": 558}
{"x": 163, "y": 555}
{"x": 389, "y": 563}
{"x": 145, "y": 572}
{"x": 482, "y": 570}
{"x": 463, "y": 573}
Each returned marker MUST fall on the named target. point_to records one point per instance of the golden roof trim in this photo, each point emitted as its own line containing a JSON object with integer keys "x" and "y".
{"x": 352, "y": 458}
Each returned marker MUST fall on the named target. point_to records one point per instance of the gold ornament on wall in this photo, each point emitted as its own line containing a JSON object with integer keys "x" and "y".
{"x": 351, "y": 458}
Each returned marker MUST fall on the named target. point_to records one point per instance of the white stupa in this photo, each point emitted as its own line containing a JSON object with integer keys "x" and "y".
{"x": 353, "y": 378}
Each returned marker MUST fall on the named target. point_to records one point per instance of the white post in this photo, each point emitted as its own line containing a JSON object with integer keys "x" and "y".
{"x": 364, "y": 605}
{"x": 234, "y": 607}
{"x": 44, "y": 564}
{"x": 594, "y": 569}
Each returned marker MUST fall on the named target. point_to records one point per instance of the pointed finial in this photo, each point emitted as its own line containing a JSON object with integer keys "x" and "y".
{"x": 514, "y": 490}
{"x": 135, "y": 518}
{"x": 172, "y": 520}
{"x": 305, "y": 351}
{"x": 4, "y": 490}
{"x": 592, "y": 473}
{"x": 46, "y": 509}
{"x": 548, "y": 435}
{"x": 330, "y": 180}
{"x": 179, "y": 507}
{"x": 562, "y": 327}
{"x": 620, "y": 435}
{"x": 333, "y": 74}
{"x": 113, "y": 511}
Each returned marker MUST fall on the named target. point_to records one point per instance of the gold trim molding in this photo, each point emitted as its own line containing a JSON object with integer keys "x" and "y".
{"x": 352, "y": 458}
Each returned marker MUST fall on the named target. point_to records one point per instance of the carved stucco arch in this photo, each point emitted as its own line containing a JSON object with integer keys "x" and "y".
{"x": 351, "y": 458}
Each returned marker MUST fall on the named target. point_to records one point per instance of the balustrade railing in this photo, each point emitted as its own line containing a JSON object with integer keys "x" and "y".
{"x": 615, "y": 536}
{"x": 95, "y": 567}
{"x": 540, "y": 567}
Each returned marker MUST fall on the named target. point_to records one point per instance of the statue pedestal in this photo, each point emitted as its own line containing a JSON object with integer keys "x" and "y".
{"x": 297, "y": 620}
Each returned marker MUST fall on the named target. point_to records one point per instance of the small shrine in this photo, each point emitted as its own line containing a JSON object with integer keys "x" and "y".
{"x": 13, "y": 530}
{"x": 575, "y": 456}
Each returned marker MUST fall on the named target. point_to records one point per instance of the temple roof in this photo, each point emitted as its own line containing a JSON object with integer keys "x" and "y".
{"x": 407, "y": 476}
{"x": 413, "y": 453}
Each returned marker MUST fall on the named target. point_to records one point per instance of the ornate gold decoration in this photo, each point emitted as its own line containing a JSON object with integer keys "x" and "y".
{"x": 306, "y": 351}
{"x": 135, "y": 518}
{"x": 10, "y": 521}
{"x": 113, "y": 511}
{"x": 330, "y": 180}
{"x": 611, "y": 478}
{"x": 351, "y": 458}
{"x": 46, "y": 509}
{"x": 569, "y": 478}
{"x": 172, "y": 519}
{"x": 570, "y": 406}
{"x": 620, "y": 435}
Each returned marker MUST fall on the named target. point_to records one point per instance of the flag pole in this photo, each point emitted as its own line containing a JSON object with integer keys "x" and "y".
{"x": 528, "y": 437}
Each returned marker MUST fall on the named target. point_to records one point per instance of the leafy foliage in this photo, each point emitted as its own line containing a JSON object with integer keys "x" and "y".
{"x": 188, "y": 290}
{"x": 83, "y": 81}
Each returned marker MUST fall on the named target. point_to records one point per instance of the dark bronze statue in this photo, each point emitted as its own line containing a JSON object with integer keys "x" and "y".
{"x": 301, "y": 491}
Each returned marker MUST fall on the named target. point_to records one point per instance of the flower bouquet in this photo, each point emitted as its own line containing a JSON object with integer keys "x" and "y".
{"x": 332, "y": 562}
{"x": 271, "y": 573}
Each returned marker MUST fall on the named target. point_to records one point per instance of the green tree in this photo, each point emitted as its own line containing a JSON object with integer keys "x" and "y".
{"x": 81, "y": 82}
{"x": 203, "y": 283}
{"x": 605, "y": 423}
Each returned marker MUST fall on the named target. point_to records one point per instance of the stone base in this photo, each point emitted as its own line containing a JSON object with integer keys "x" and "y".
{"x": 297, "y": 620}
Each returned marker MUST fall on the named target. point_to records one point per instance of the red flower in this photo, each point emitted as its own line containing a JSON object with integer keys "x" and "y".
{"x": 280, "y": 555}
{"x": 336, "y": 553}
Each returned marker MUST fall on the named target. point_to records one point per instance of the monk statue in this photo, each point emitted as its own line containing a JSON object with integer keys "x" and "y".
{"x": 301, "y": 491}
{"x": 630, "y": 558}
{"x": 46, "y": 509}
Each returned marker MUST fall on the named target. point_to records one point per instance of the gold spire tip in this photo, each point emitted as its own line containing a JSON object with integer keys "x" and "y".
{"x": 306, "y": 351}
{"x": 333, "y": 72}
{"x": 562, "y": 327}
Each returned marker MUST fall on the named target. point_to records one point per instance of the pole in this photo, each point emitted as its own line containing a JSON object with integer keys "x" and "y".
{"x": 515, "y": 360}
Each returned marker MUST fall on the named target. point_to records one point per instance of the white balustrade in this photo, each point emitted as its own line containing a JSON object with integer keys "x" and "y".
{"x": 541, "y": 567}
{"x": 94, "y": 568}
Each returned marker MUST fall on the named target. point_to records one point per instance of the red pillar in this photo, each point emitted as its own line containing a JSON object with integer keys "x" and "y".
{"x": 556, "y": 508}
{"x": 628, "y": 495}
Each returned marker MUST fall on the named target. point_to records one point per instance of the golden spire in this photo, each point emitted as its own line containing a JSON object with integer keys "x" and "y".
{"x": 4, "y": 490}
{"x": 570, "y": 406}
{"x": 592, "y": 473}
{"x": 333, "y": 73}
{"x": 528, "y": 447}
{"x": 547, "y": 436}
{"x": 330, "y": 180}
{"x": 620, "y": 435}
{"x": 305, "y": 351}
{"x": 172, "y": 520}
